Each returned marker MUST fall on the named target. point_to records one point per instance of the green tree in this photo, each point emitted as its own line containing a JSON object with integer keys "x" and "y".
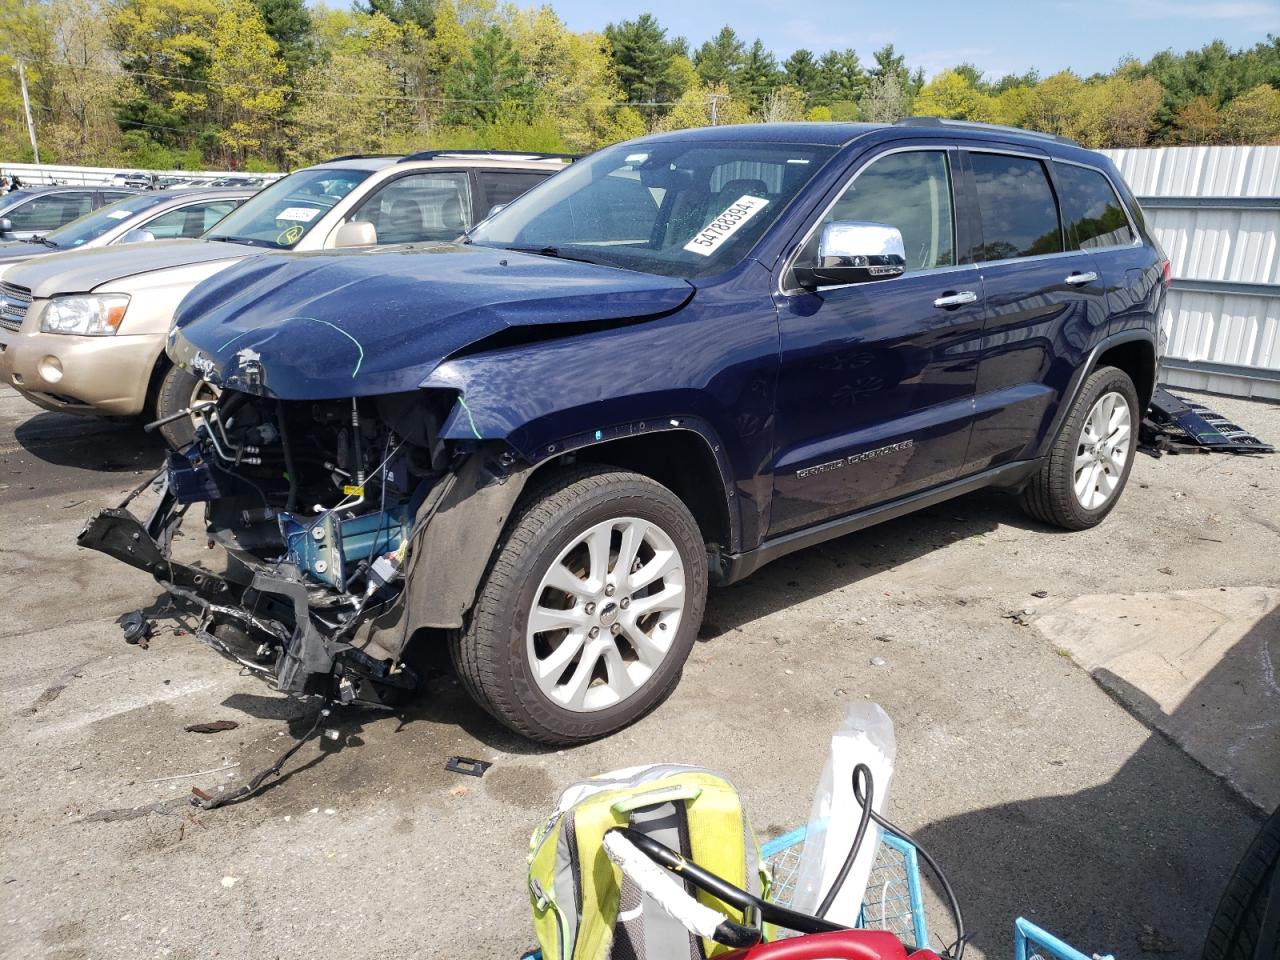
{"x": 759, "y": 74}
{"x": 1127, "y": 109}
{"x": 80, "y": 123}
{"x": 577, "y": 90}
{"x": 952, "y": 94}
{"x": 644, "y": 60}
{"x": 246, "y": 74}
{"x": 492, "y": 82}
{"x": 889, "y": 63}
{"x": 288, "y": 24}
{"x": 1254, "y": 116}
{"x": 418, "y": 12}
{"x": 166, "y": 47}
{"x": 885, "y": 100}
{"x": 1199, "y": 121}
{"x": 841, "y": 77}
{"x": 782, "y": 104}
{"x": 720, "y": 60}
{"x": 801, "y": 70}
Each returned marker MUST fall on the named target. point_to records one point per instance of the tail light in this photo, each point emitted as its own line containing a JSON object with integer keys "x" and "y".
{"x": 1166, "y": 273}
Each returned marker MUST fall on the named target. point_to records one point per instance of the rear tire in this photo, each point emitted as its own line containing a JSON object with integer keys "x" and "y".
{"x": 566, "y": 684}
{"x": 178, "y": 390}
{"x": 1089, "y": 463}
{"x": 1234, "y": 932}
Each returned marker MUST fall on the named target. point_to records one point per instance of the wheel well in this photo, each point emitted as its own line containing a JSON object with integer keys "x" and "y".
{"x": 681, "y": 461}
{"x": 1137, "y": 358}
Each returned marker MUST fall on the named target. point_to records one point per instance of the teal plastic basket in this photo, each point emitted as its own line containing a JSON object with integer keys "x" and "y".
{"x": 893, "y": 900}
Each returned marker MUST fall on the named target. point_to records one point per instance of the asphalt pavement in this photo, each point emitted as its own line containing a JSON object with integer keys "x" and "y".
{"x": 1042, "y": 791}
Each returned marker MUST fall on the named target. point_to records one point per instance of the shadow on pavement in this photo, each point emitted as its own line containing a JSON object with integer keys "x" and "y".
{"x": 1102, "y": 867}
{"x": 65, "y": 440}
{"x": 829, "y": 566}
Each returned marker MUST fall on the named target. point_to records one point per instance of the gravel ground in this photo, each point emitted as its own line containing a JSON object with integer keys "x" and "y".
{"x": 1040, "y": 794}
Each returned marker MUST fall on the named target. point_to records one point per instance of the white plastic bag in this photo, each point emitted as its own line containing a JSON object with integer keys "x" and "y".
{"x": 865, "y": 736}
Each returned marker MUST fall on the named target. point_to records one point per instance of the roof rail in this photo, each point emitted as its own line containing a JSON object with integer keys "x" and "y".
{"x": 976, "y": 125}
{"x": 509, "y": 154}
{"x": 359, "y": 156}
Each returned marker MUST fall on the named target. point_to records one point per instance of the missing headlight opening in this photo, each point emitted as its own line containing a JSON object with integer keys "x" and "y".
{"x": 319, "y": 506}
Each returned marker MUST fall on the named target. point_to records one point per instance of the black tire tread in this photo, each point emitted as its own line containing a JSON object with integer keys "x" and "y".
{"x": 1049, "y": 496}
{"x": 1233, "y": 933}
{"x": 476, "y": 649}
{"x": 173, "y": 393}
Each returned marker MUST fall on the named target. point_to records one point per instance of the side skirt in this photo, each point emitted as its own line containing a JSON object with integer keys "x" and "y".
{"x": 733, "y": 567}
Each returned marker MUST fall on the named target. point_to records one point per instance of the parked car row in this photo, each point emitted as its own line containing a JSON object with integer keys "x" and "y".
{"x": 100, "y": 346}
{"x": 534, "y": 437}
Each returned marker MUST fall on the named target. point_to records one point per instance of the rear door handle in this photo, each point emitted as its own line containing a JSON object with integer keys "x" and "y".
{"x": 1080, "y": 279}
{"x": 956, "y": 299}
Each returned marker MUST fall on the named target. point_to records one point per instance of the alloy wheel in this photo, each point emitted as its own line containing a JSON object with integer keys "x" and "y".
{"x": 1103, "y": 450}
{"x": 605, "y": 614}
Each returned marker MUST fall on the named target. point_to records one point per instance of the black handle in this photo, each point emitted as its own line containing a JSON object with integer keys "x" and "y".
{"x": 723, "y": 890}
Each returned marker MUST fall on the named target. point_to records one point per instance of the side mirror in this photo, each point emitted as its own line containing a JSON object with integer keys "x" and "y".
{"x": 6, "y": 225}
{"x": 138, "y": 235}
{"x": 357, "y": 233}
{"x": 854, "y": 251}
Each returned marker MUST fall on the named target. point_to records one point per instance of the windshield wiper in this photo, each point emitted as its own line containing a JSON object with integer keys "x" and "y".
{"x": 250, "y": 241}
{"x": 46, "y": 241}
{"x": 555, "y": 252}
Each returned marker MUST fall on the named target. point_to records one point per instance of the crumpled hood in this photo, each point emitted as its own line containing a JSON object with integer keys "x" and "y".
{"x": 329, "y": 325}
{"x": 80, "y": 271}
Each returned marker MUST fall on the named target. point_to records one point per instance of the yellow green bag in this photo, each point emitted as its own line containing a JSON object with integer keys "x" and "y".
{"x": 585, "y": 909}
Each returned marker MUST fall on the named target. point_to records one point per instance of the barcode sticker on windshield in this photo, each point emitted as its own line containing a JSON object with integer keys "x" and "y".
{"x": 304, "y": 214}
{"x": 120, "y": 214}
{"x": 711, "y": 237}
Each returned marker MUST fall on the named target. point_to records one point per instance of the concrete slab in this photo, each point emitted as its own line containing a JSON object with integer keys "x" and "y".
{"x": 1198, "y": 665}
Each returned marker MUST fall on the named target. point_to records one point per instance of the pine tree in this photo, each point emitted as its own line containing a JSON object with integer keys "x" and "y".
{"x": 719, "y": 60}
{"x": 802, "y": 71}
{"x": 493, "y": 82}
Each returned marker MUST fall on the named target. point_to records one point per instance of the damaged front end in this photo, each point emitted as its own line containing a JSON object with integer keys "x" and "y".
{"x": 322, "y": 509}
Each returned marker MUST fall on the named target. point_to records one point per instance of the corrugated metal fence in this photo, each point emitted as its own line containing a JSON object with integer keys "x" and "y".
{"x": 1216, "y": 213}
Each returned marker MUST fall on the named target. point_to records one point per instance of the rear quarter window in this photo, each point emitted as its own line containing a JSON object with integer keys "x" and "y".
{"x": 1018, "y": 210}
{"x": 1091, "y": 211}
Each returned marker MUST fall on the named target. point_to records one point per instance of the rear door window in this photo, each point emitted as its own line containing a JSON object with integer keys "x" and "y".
{"x": 503, "y": 187}
{"x": 50, "y": 211}
{"x": 1091, "y": 210}
{"x": 1018, "y": 209}
{"x": 189, "y": 221}
{"x": 419, "y": 207}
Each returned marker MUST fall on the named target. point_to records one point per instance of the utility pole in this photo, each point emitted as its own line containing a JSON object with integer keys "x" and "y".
{"x": 715, "y": 107}
{"x": 26, "y": 106}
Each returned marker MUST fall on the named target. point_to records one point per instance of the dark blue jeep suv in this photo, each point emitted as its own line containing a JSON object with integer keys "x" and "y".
{"x": 680, "y": 358}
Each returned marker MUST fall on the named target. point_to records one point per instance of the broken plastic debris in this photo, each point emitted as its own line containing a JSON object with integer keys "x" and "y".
{"x": 230, "y": 882}
{"x": 213, "y": 726}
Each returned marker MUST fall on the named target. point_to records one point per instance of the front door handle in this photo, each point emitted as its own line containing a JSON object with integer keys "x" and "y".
{"x": 1080, "y": 279}
{"x": 959, "y": 299}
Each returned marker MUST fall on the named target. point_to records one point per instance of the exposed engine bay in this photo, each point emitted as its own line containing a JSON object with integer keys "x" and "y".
{"x": 318, "y": 505}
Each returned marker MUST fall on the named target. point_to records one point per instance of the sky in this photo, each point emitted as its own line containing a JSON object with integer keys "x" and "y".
{"x": 1087, "y": 36}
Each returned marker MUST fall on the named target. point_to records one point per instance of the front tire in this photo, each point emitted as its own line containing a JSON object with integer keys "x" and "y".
{"x": 1089, "y": 463}
{"x": 589, "y": 610}
{"x": 178, "y": 390}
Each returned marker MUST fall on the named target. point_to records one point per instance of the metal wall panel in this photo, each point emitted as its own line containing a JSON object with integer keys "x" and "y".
{"x": 1221, "y": 233}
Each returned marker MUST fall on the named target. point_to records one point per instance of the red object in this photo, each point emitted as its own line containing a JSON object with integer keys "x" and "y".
{"x": 1166, "y": 274}
{"x": 840, "y": 945}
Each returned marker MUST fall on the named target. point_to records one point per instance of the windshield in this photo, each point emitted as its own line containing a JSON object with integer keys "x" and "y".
{"x": 281, "y": 215}
{"x": 680, "y": 209}
{"x": 93, "y": 225}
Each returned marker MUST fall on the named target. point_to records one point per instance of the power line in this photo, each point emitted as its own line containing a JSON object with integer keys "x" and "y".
{"x": 336, "y": 94}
